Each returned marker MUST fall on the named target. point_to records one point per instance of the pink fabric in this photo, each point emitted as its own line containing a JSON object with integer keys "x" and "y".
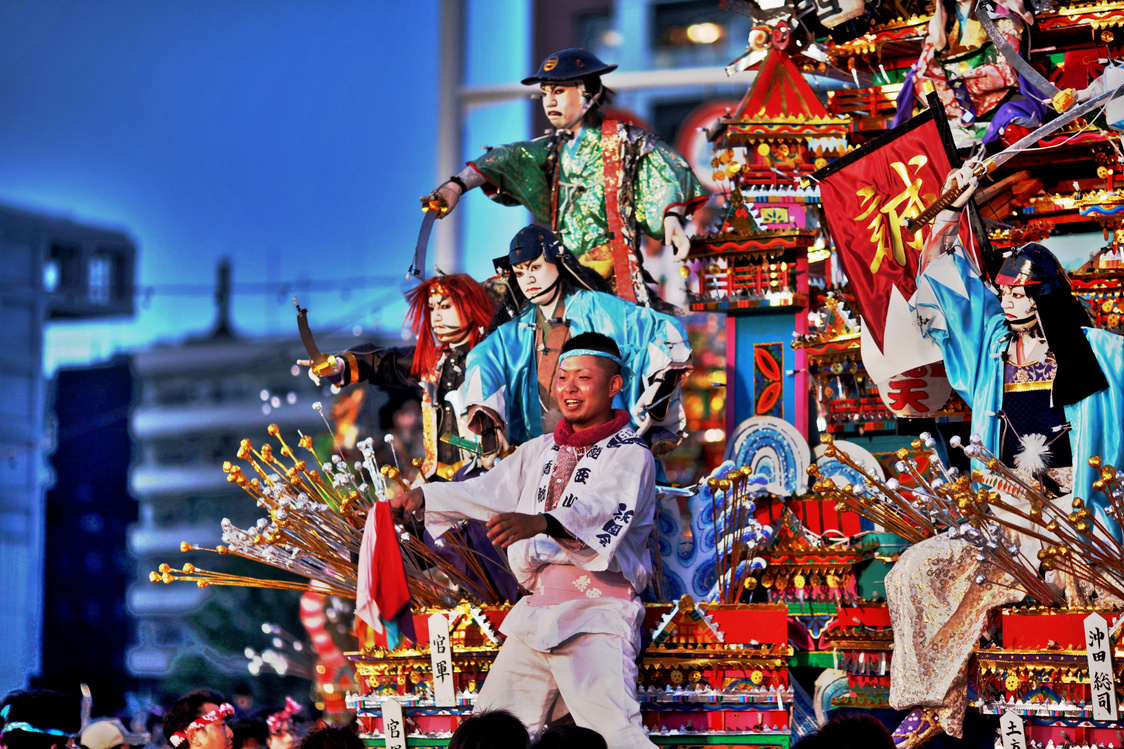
{"x": 564, "y": 434}
{"x": 560, "y": 475}
{"x": 561, "y": 583}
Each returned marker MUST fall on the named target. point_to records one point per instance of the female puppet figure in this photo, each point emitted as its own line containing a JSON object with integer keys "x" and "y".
{"x": 448, "y": 315}
{"x": 510, "y": 375}
{"x": 1046, "y": 395}
{"x": 600, "y": 184}
{"x": 971, "y": 76}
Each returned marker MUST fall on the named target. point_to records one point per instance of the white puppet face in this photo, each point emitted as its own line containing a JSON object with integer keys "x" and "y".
{"x": 537, "y": 279}
{"x": 561, "y": 102}
{"x": 1018, "y": 308}
{"x": 445, "y": 319}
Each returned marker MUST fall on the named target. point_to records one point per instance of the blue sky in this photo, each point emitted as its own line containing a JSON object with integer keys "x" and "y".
{"x": 293, "y": 136}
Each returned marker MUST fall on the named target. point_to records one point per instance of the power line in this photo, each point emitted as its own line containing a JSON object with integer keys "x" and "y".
{"x": 280, "y": 289}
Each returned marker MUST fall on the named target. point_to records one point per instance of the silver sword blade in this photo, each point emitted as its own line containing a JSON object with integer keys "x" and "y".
{"x": 1055, "y": 124}
{"x": 417, "y": 269}
{"x": 1016, "y": 60}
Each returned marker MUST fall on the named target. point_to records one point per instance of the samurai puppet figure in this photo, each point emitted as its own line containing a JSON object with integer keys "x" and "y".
{"x": 972, "y": 78}
{"x": 600, "y": 184}
{"x": 551, "y": 298}
{"x": 448, "y": 315}
{"x": 1045, "y": 391}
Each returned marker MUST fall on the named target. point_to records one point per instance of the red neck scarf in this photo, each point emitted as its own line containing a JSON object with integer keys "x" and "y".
{"x": 564, "y": 434}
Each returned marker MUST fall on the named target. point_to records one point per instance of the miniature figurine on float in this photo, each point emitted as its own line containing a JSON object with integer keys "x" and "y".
{"x": 448, "y": 316}
{"x": 575, "y": 510}
{"x": 599, "y": 184}
{"x": 1046, "y": 393}
{"x": 509, "y": 385}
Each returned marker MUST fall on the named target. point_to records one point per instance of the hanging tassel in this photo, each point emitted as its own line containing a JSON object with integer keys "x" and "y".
{"x": 1035, "y": 454}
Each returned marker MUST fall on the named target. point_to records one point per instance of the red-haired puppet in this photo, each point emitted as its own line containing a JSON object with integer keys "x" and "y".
{"x": 448, "y": 315}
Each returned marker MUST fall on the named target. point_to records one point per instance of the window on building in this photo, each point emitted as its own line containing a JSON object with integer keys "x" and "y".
{"x": 63, "y": 270}
{"x": 50, "y": 276}
{"x": 598, "y": 33}
{"x": 668, "y": 116}
{"x": 689, "y": 23}
{"x": 110, "y": 275}
{"x": 695, "y": 33}
{"x": 101, "y": 278}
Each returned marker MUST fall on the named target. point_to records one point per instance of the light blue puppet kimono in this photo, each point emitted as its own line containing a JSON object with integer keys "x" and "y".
{"x": 502, "y": 375}
{"x": 940, "y": 592}
{"x": 965, "y": 318}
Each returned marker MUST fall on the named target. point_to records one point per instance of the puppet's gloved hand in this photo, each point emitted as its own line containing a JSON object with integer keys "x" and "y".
{"x": 1093, "y": 90}
{"x": 444, "y": 199}
{"x": 333, "y": 371}
{"x": 947, "y": 222}
{"x": 675, "y": 236}
{"x": 966, "y": 179}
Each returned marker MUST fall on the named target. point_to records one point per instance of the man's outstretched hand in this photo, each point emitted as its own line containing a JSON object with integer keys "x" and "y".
{"x": 508, "y": 527}
{"x": 405, "y": 506}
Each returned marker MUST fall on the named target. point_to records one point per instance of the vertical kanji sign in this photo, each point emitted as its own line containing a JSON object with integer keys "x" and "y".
{"x": 393, "y": 724}
{"x": 1102, "y": 682}
{"x": 1011, "y": 731}
{"x": 441, "y": 658}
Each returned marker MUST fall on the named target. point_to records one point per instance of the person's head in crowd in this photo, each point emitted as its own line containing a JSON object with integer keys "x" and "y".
{"x": 812, "y": 741}
{"x": 249, "y": 733}
{"x": 243, "y": 698}
{"x": 570, "y": 737}
{"x": 494, "y": 729}
{"x": 282, "y": 725}
{"x": 330, "y": 737}
{"x": 110, "y": 734}
{"x": 154, "y": 724}
{"x": 857, "y": 731}
{"x": 38, "y": 719}
{"x": 198, "y": 721}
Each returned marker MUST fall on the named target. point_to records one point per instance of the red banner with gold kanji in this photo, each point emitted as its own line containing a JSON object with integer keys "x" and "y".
{"x": 867, "y": 196}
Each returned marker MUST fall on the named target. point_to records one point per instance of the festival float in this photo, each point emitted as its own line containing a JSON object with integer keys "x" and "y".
{"x": 864, "y": 467}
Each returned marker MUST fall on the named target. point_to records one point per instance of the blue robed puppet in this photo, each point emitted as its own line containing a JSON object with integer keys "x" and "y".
{"x": 509, "y": 375}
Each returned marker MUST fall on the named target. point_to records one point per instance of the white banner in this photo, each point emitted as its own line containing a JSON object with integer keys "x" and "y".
{"x": 1011, "y": 731}
{"x": 441, "y": 657}
{"x": 393, "y": 725}
{"x": 1102, "y": 682}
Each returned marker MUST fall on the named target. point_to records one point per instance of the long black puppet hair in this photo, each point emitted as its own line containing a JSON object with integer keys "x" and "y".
{"x": 572, "y": 276}
{"x": 1061, "y": 316}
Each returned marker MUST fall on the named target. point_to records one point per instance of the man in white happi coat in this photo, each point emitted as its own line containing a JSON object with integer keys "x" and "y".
{"x": 574, "y": 509}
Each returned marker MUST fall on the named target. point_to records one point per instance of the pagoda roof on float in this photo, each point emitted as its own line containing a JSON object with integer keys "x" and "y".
{"x": 780, "y": 103}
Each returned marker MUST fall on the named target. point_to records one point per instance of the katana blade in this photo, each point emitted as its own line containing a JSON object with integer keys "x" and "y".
{"x": 1053, "y": 125}
{"x": 417, "y": 269}
{"x": 319, "y": 361}
{"x": 990, "y": 164}
{"x": 1061, "y": 100}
